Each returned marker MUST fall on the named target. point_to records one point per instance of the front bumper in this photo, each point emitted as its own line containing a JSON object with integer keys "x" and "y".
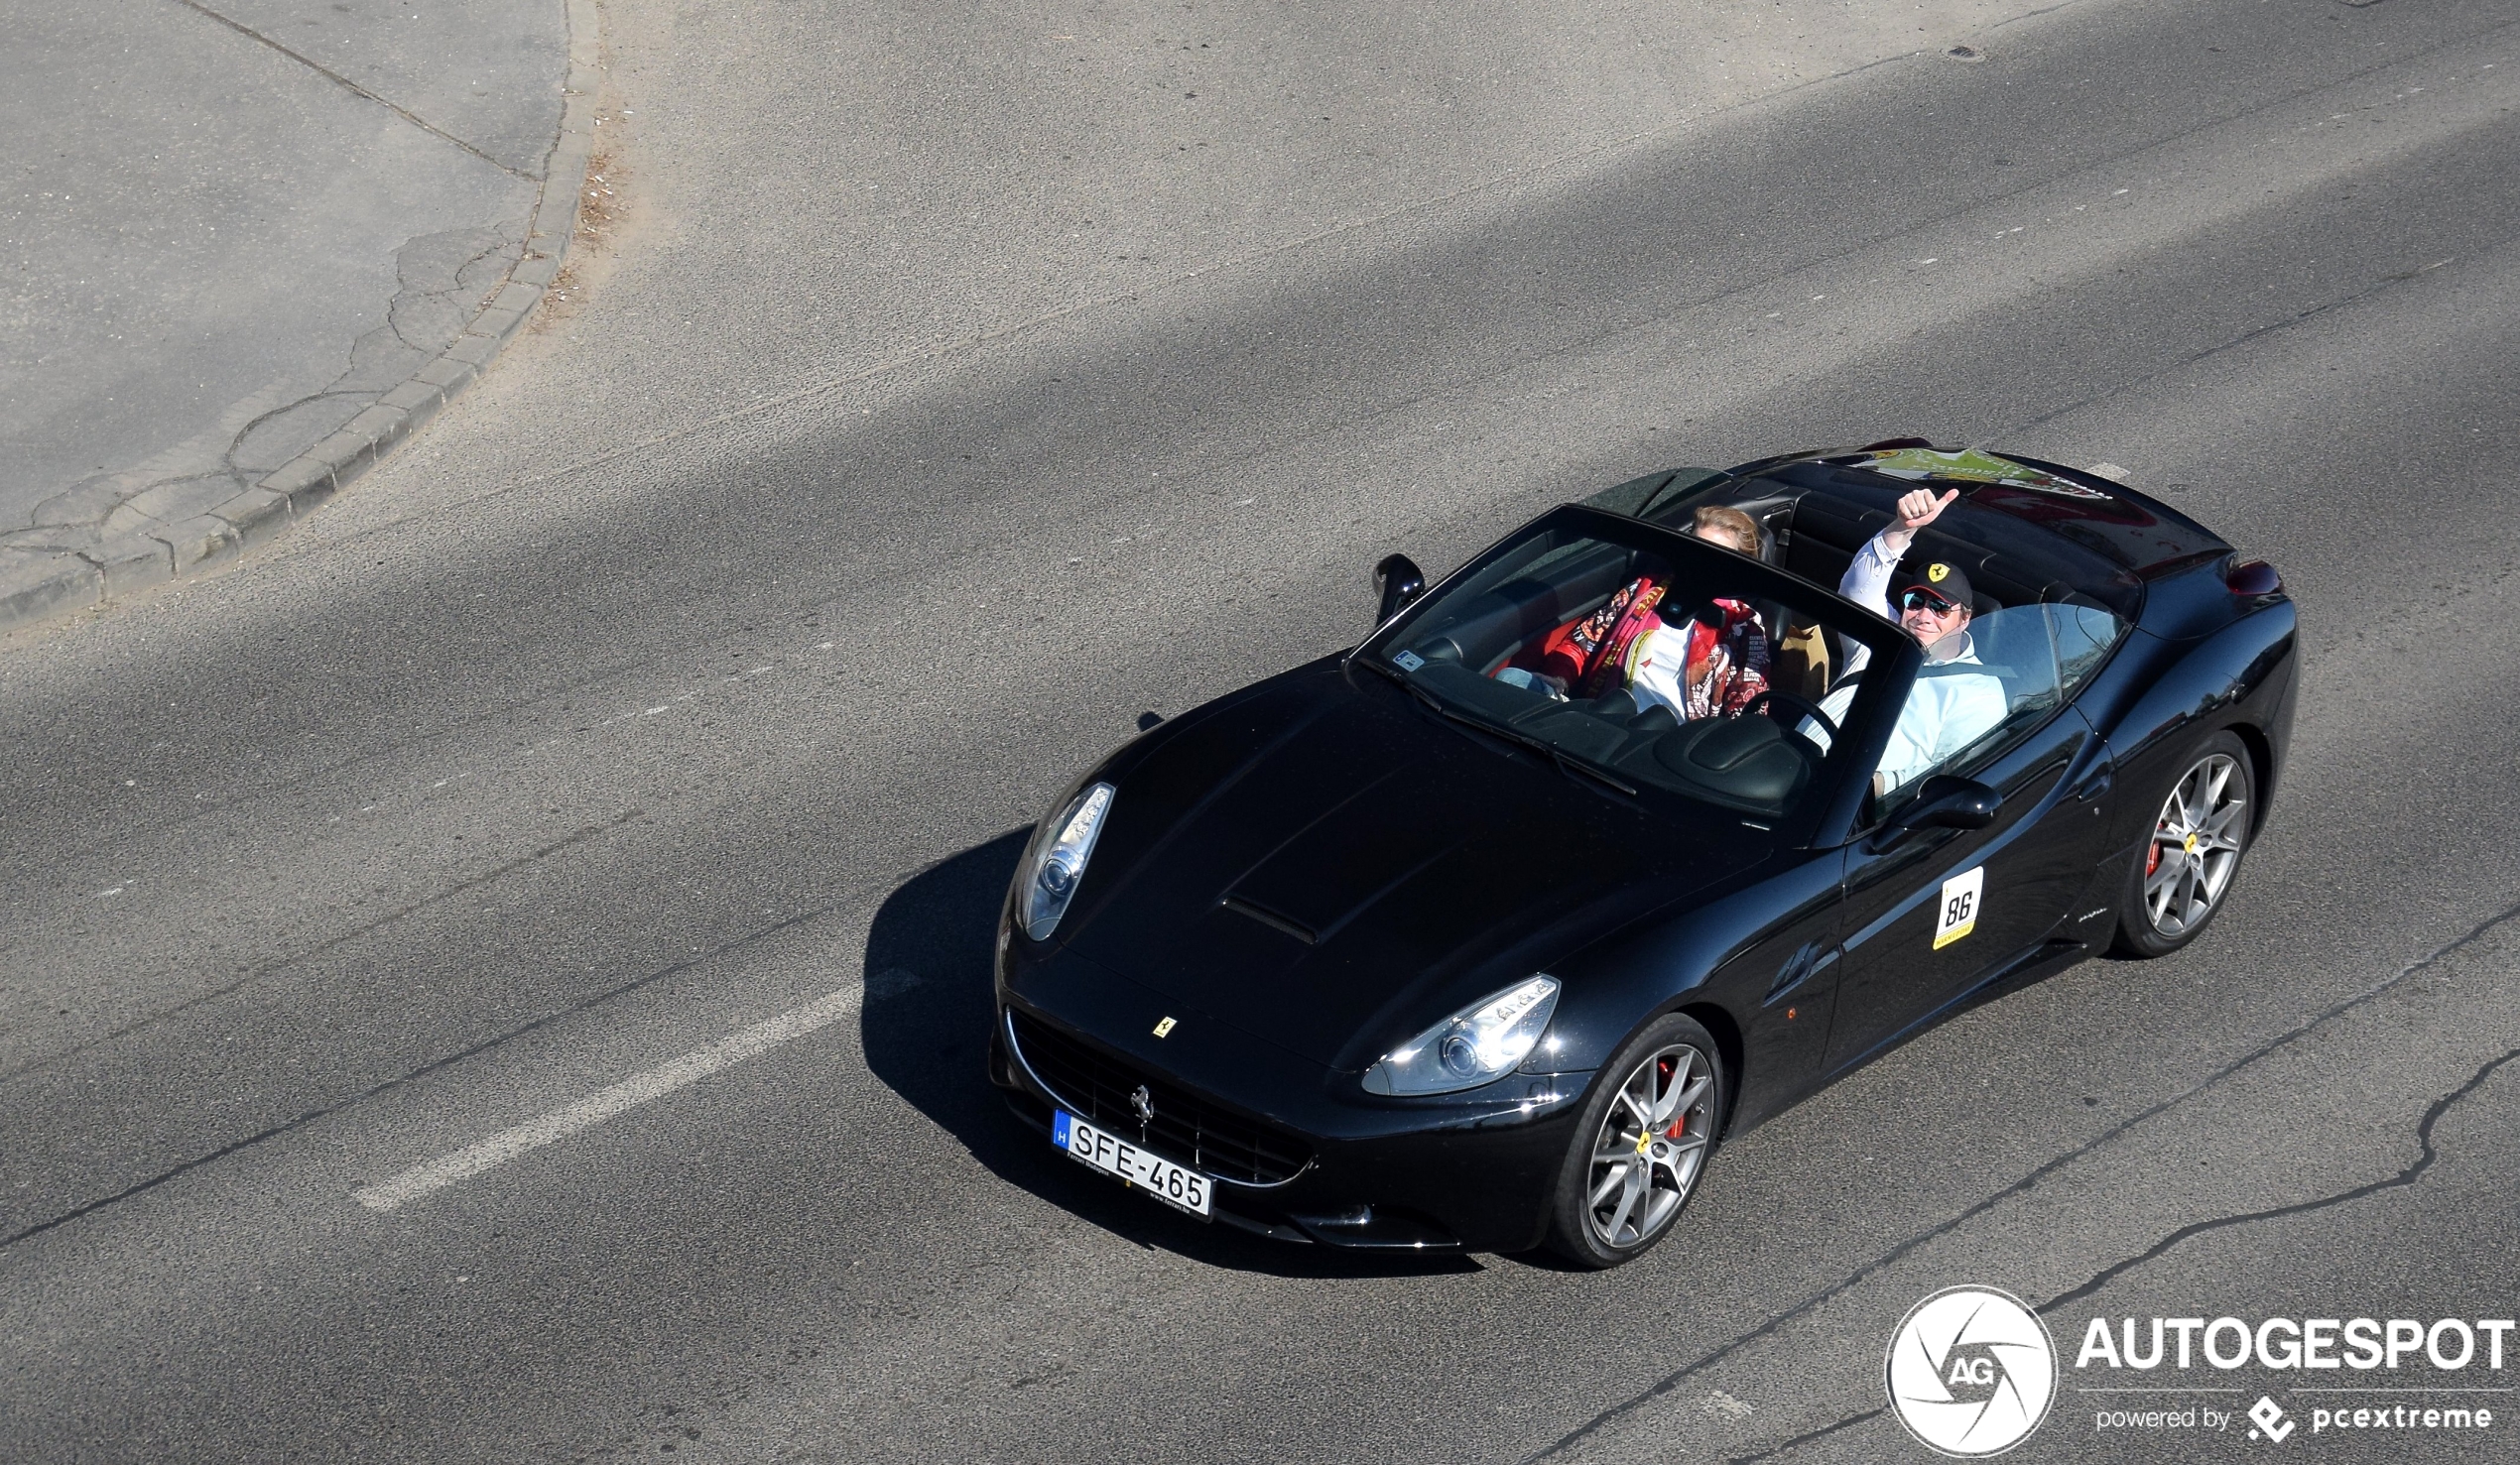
{"x": 1475, "y": 1176}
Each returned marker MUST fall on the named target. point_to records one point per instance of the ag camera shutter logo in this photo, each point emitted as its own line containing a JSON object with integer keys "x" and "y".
{"x": 1971, "y": 1372}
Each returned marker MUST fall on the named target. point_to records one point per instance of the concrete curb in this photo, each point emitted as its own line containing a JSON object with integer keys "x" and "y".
{"x": 66, "y": 581}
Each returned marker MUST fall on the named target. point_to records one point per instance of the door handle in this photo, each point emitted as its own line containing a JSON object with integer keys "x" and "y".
{"x": 2095, "y": 784}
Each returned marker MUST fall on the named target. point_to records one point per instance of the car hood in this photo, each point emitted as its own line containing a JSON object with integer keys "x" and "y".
{"x": 1331, "y": 869}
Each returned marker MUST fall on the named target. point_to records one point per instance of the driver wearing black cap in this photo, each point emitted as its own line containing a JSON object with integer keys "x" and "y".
{"x": 1955, "y": 700}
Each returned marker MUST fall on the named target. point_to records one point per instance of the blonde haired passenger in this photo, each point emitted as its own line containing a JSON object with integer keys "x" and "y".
{"x": 1713, "y": 662}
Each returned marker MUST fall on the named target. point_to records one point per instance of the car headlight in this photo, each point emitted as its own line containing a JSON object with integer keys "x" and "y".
{"x": 1480, "y": 1042}
{"x": 1058, "y": 860}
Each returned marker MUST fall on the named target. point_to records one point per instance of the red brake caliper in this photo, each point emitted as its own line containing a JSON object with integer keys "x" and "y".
{"x": 1663, "y": 1069}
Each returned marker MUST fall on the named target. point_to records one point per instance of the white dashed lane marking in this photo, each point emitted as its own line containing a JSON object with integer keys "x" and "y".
{"x": 595, "y": 1108}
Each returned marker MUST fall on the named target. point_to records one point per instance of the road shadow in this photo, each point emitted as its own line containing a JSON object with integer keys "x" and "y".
{"x": 925, "y": 1029}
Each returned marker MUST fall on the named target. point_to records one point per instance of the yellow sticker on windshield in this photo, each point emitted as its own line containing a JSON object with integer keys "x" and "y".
{"x": 1959, "y": 914}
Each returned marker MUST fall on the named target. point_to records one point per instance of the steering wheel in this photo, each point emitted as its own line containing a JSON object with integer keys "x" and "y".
{"x": 1798, "y": 701}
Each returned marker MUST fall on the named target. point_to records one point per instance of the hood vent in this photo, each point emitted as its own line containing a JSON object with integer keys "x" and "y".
{"x": 1271, "y": 919}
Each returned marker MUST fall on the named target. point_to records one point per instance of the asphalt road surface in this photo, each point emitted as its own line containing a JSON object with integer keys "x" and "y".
{"x": 504, "y": 975}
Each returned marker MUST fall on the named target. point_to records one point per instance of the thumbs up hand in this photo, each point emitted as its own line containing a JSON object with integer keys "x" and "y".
{"x": 1919, "y": 508}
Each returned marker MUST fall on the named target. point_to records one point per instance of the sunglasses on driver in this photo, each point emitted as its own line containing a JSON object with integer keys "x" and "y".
{"x": 1919, "y": 598}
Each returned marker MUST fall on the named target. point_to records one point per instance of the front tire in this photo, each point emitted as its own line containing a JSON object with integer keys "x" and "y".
{"x": 2180, "y": 879}
{"x": 1639, "y": 1145}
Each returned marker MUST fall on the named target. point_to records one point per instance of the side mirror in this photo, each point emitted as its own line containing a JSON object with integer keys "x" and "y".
{"x": 1400, "y": 581}
{"x": 2254, "y": 578}
{"x": 1944, "y": 802}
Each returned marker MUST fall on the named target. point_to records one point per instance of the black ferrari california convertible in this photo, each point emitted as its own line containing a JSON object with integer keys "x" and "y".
{"x": 1628, "y": 835}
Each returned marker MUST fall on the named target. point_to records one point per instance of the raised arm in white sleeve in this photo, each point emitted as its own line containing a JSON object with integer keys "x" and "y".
{"x": 1867, "y": 584}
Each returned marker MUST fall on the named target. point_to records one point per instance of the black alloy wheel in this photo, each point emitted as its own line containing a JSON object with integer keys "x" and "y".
{"x": 1640, "y": 1143}
{"x": 2185, "y": 871}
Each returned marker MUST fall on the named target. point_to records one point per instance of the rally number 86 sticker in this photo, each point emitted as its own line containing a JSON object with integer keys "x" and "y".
{"x": 1959, "y": 914}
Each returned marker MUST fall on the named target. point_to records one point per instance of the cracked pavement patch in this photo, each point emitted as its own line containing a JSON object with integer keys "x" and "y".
{"x": 446, "y": 279}
{"x": 250, "y": 278}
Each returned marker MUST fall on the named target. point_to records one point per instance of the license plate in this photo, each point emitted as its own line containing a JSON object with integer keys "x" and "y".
{"x": 1114, "y": 1155}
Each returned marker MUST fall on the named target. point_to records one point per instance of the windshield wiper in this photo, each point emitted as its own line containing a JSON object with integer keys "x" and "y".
{"x": 1573, "y": 765}
{"x": 1568, "y": 763}
{"x": 1402, "y": 679}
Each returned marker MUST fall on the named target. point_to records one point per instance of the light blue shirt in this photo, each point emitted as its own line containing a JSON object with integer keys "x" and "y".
{"x": 1947, "y": 709}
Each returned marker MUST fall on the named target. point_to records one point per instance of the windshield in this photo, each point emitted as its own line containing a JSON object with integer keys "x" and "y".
{"x": 1642, "y": 658}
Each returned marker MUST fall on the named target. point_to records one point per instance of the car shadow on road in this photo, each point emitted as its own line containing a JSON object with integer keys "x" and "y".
{"x": 925, "y": 1029}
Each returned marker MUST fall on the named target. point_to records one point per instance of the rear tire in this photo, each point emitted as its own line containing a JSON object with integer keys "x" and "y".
{"x": 2182, "y": 876}
{"x": 1640, "y": 1145}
